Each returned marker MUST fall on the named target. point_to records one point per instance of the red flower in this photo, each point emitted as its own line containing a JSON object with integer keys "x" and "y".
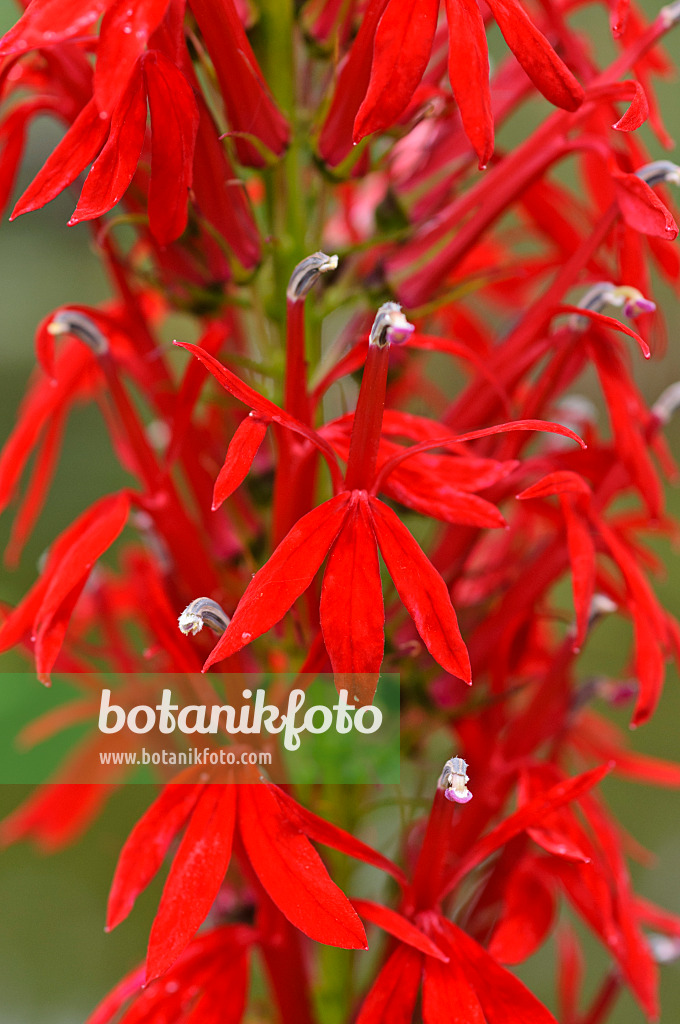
{"x": 391, "y": 52}
{"x": 349, "y": 529}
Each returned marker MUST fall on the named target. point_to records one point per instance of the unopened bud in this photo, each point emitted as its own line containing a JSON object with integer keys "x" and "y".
{"x": 71, "y": 321}
{"x": 390, "y": 326}
{"x": 203, "y": 612}
{"x": 454, "y": 779}
{"x": 307, "y": 273}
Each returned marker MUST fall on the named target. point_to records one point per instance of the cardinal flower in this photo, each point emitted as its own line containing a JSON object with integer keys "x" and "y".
{"x": 390, "y": 55}
{"x": 349, "y": 530}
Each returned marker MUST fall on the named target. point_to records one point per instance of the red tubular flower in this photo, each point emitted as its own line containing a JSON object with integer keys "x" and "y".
{"x": 397, "y": 36}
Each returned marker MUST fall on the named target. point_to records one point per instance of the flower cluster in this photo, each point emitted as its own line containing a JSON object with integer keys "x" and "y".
{"x": 399, "y": 487}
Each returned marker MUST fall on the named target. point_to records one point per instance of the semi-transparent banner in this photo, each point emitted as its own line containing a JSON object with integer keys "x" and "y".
{"x": 240, "y": 728}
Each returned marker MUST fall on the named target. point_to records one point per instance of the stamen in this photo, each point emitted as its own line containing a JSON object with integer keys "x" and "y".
{"x": 664, "y": 948}
{"x": 307, "y": 273}
{"x": 670, "y": 15}
{"x": 600, "y": 606}
{"x": 390, "y": 326}
{"x": 667, "y": 403}
{"x": 606, "y": 293}
{"x": 454, "y": 779}
{"x": 203, "y": 612}
{"x": 70, "y": 321}
{"x": 660, "y": 171}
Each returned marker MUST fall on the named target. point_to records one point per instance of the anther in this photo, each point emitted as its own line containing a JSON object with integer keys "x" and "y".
{"x": 600, "y": 606}
{"x": 670, "y": 15}
{"x": 605, "y": 293}
{"x": 453, "y": 780}
{"x": 667, "y": 403}
{"x": 390, "y": 326}
{"x": 307, "y": 273}
{"x": 70, "y": 321}
{"x": 660, "y": 171}
{"x": 203, "y": 612}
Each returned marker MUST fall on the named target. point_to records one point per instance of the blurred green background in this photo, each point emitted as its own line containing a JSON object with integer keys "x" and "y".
{"x": 55, "y": 961}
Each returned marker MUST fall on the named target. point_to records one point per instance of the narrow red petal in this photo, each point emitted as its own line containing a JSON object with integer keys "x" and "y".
{"x": 145, "y": 848}
{"x": 469, "y": 74}
{"x": 242, "y": 449}
{"x": 293, "y": 874}
{"x": 527, "y": 916}
{"x": 115, "y": 166}
{"x": 502, "y": 996}
{"x": 77, "y": 149}
{"x": 393, "y": 997}
{"x": 400, "y": 927}
{"x": 422, "y": 591}
{"x": 448, "y": 995}
{"x": 641, "y": 208}
{"x": 174, "y": 126}
{"x": 545, "y": 69}
{"x": 123, "y": 35}
{"x": 283, "y": 578}
{"x": 352, "y": 615}
{"x": 195, "y": 877}
{"x": 48, "y": 22}
{"x": 328, "y": 834}
{"x": 401, "y": 51}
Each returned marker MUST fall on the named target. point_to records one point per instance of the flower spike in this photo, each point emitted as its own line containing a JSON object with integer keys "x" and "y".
{"x": 203, "y": 612}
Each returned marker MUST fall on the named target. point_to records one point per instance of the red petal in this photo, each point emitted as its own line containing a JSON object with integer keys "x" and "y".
{"x": 640, "y": 207}
{"x": 293, "y": 874}
{"x": 124, "y": 33}
{"x": 283, "y": 578}
{"x": 335, "y": 141}
{"x": 221, "y": 199}
{"x": 352, "y": 615}
{"x": 19, "y": 621}
{"x": 503, "y": 998}
{"x": 324, "y": 832}
{"x": 174, "y": 125}
{"x": 545, "y": 69}
{"x": 469, "y": 74}
{"x": 75, "y": 565}
{"x": 607, "y": 321}
{"x": 195, "y": 877}
{"x": 393, "y": 997}
{"x": 448, "y": 995}
{"x": 115, "y": 166}
{"x": 76, "y": 150}
{"x": 527, "y": 916}
{"x": 399, "y": 926}
{"x": 242, "y": 449}
{"x": 267, "y": 409}
{"x": 401, "y": 51}
{"x": 422, "y": 591}
{"x": 145, "y": 848}
{"x": 48, "y": 22}
{"x": 250, "y": 107}
{"x": 528, "y": 816}
{"x": 563, "y": 481}
{"x": 582, "y": 557}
